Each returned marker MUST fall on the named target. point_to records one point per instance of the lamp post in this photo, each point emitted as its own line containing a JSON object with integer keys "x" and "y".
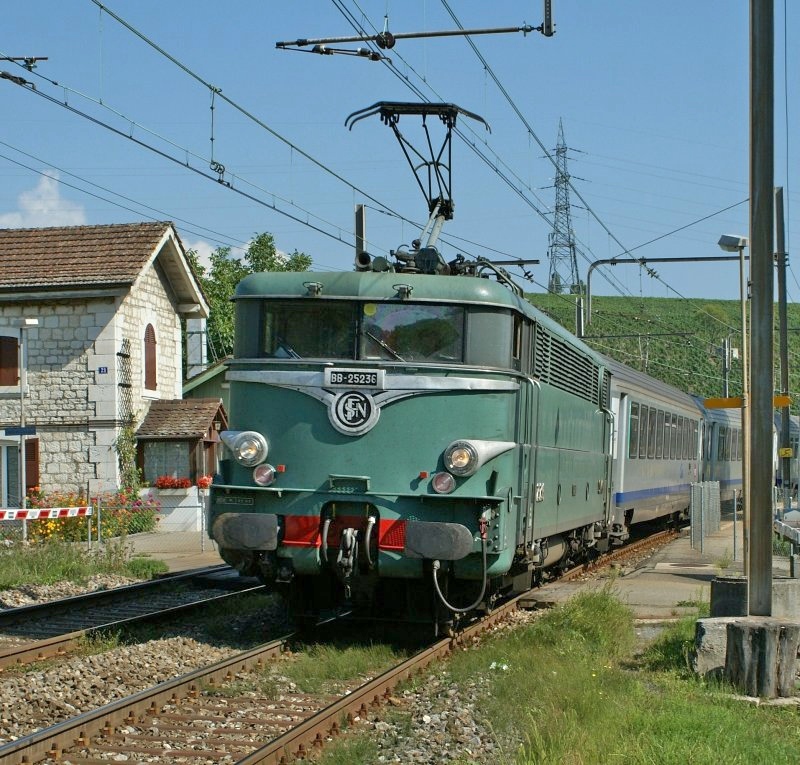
{"x": 732, "y": 244}
{"x": 24, "y": 325}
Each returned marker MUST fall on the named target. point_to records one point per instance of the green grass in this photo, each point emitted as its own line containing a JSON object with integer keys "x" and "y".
{"x": 585, "y": 699}
{"x": 322, "y": 668}
{"x": 573, "y": 688}
{"x": 781, "y": 546}
{"x": 52, "y": 562}
{"x": 315, "y": 669}
{"x": 142, "y": 567}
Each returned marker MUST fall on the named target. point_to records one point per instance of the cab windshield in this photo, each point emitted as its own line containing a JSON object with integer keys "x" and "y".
{"x": 347, "y": 330}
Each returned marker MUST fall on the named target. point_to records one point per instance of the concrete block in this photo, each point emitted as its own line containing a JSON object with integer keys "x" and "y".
{"x": 711, "y": 645}
{"x": 729, "y": 597}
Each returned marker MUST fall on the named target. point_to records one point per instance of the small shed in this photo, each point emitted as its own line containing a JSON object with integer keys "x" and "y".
{"x": 180, "y": 438}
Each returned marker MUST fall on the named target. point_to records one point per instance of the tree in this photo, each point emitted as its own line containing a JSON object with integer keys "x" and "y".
{"x": 226, "y": 271}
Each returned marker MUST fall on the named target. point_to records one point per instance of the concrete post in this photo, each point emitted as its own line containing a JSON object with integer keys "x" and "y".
{"x": 762, "y": 274}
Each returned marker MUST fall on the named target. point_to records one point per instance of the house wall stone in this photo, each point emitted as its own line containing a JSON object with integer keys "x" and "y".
{"x": 74, "y": 398}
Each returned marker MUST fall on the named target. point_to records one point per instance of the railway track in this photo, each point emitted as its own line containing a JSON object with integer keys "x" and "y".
{"x": 52, "y": 629}
{"x": 189, "y": 720}
{"x": 185, "y": 721}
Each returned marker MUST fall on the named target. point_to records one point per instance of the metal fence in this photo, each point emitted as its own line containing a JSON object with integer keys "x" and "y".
{"x": 172, "y": 528}
{"x": 704, "y": 511}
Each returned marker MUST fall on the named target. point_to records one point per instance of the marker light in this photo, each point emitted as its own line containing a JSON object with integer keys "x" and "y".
{"x": 264, "y": 475}
{"x": 461, "y": 458}
{"x": 443, "y": 483}
{"x": 249, "y": 448}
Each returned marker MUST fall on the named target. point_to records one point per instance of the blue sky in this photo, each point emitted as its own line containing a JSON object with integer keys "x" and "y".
{"x": 653, "y": 99}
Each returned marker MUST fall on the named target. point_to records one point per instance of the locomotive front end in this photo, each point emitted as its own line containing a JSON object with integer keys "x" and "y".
{"x": 373, "y": 453}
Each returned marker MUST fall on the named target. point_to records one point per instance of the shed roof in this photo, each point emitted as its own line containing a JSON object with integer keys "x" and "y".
{"x": 180, "y": 419}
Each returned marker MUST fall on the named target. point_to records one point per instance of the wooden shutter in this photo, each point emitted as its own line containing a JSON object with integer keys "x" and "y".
{"x": 150, "y": 378}
{"x": 9, "y": 361}
{"x": 31, "y": 463}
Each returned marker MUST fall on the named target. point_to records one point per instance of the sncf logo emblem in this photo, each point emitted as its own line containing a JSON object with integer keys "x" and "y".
{"x": 353, "y": 412}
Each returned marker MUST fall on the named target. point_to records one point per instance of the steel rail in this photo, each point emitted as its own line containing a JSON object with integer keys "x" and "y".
{"x": 60, "y": 645}
{"x": 25, "y": 613}
{"x": 77, "y": 731}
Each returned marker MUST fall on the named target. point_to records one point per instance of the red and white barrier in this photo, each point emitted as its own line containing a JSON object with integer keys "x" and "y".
{"x": 44, "y": 513}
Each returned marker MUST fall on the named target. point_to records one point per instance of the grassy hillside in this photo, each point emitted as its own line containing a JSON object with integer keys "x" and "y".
{"x": 676, "y": 340}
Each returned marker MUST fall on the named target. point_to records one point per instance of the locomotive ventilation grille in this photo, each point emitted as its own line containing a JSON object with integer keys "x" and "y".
{"x": 559, "y": 364}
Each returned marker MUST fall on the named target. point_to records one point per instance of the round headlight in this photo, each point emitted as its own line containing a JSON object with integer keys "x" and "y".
{"x": 264, "y": 475}
{"x": 249, "y": 448}
{"x": 461, "y": 458}
{"x": 443, "y": 483}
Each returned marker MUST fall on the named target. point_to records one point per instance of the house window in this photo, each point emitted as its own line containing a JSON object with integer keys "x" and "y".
{"x": 166, "y": 458}
{"x": 9, "y": 361}
{"x": 150, "y": 379}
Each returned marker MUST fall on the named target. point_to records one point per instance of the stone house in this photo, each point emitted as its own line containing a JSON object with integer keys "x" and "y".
{"x": 90, "y": 336}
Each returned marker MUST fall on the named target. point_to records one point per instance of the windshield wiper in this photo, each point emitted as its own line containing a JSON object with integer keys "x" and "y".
{"x": 385, "y": 347}
{"x": 288, "y": 348}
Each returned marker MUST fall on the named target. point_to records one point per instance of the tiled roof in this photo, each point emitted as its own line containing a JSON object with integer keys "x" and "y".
{"x": 179, "y": 418}
{"x": 76, "y": 256}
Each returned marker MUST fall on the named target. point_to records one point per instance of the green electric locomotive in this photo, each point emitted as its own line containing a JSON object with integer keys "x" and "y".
{"x": 411, "y": 439}
{"x": 412, "y": 444}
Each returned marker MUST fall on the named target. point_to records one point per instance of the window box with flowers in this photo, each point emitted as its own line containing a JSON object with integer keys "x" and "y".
{"x": 167, "y": 484}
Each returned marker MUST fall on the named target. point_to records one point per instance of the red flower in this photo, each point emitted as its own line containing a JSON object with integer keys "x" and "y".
{"x": 169, "y": 482}
{"x": 204, "y": 481}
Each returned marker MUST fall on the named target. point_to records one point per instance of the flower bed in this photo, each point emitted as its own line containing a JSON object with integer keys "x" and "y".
{"x": 119, "y": 513}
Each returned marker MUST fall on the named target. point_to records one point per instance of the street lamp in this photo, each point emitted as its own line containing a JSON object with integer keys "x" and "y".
{"x": 734, "y": 244}
{"x": 23, "y": 325}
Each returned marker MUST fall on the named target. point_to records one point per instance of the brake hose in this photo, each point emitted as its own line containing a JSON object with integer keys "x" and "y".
{"x": 324, "y": 549}
{"x": 437, "y": 566}
{"x": 368, "y": 540}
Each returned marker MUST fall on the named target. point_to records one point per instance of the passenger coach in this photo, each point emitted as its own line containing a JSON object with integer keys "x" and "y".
{"x": 655, "y": 448}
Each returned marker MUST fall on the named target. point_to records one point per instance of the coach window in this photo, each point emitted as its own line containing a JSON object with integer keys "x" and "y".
{"x": 693, "y": 442}
{"x": 723, "y": 434}
{"x": 687, "y": 439}
{"x": 673, "y": 435}
{"x": 660, "y": 435}
{"x": 652, "y": 431}
{"x": 633, "y": 432}
{"x": 643, "y": 430}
